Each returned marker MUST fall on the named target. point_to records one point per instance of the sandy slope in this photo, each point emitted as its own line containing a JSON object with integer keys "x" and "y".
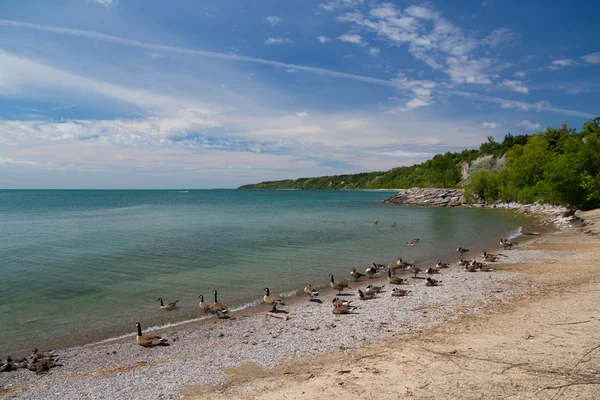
{"x": 543, "y": 346}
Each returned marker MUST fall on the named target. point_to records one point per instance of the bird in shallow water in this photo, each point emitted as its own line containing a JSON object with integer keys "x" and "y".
{"x": 310, "y": 292}
{"x": 168, "y": 306}
{"x": 371, "y": 271}
{"x": 149, "y": 339}
{"x": 205, "y": 305}
{"x": 462, "y": 250}
{"x": 355, "y": 274}
{"x": 218, "y": 308}
{"x": 272, "y": 300}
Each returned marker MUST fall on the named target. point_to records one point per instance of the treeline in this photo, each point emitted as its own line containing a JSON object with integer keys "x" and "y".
{"x": 559, "y": 166}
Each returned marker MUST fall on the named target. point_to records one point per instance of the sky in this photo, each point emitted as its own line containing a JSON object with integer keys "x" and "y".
{"x": 99, "y": 94}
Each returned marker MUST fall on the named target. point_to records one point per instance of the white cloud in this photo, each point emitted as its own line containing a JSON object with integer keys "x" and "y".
{"x": 291, "y": 70}
{"x": 520, "y": 74}
{"x": 156, "y": 55}
{"x": 422, "y": 12}
{"x": 340, "y": 4}
{"x": 278, "y": 40}
{"x": 517, "y": 86}
{"x": 106, "y": 3}
{"x": 530, "y": 126}
{"x": 498, "y": 37}
{"x": 323, "y": 39}
{"x": 273, "y": 20}
{"x": 490, "y": 124}
{"x": 558, "y": 64}
{"x": 374, "y": 51}
{"x": 465, "y": 70}
{"x": 302, "y": 114}
{"x": 351, "y": 38}
{"x": 592, "y": 58}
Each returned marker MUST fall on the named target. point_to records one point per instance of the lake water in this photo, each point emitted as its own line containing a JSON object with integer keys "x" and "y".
{"x": 82, "y": 266}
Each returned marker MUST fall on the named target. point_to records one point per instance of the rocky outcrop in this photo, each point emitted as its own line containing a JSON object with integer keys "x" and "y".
{"x": 428, "y": 197}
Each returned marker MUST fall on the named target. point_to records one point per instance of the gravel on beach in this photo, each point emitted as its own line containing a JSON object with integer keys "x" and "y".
{"x": 199, "y": 352}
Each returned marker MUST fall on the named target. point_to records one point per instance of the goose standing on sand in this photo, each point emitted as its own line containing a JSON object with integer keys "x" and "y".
{"x": 412, "y": 268}
{"x": 337, "y": 285}
{"x": 218, "y": 308}
{"x": 149, "y": 339}
{"x": 402, "y": 264}
{"x": 168, "y": 306}
{"x": 462, "y": 250}
{"x": 310, "y": 292}
{"x": 205, "y": 305}
{"x": 356, "y": 275}
{"x": 272, "y": 300}
{"x": 394, "y": 280}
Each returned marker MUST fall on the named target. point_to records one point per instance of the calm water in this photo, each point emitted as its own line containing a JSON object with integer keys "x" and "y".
{"x": 81, "y": 266}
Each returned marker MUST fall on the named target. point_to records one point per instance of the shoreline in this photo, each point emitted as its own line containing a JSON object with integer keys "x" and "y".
{"x": 263, "y": 342}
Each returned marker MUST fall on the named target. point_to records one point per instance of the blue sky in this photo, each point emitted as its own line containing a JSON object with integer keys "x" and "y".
{"x": 204, "y": 94}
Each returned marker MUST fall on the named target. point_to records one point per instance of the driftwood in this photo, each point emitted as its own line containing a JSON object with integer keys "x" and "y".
{"x": 277, "y": 315}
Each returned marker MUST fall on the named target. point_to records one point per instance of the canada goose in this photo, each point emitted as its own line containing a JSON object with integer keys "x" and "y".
{"x": 218, "y": 308}
{"x": 399, "y": 292}
{"x": 339, "y": 286}
{"x": 149, "y": 339}
{"x": 432, "y": 271}
{"x": 310, "y": 292}
{"x": 272, "y": 300}
{"x": 442, "y": 265}
{"x": 8, "y": 366}
{"x": 205, "y": 305}
{"x": 412, "y": 242}
{"x": 378, "y": 266}
{"x": 476, "y": 264}
{"x": 490, "y": 258}
{"x": 462, "y": 261}
{"x": 392, "y": 267}
{"x": 394, "y": 280}
{"x": 470, "y": 268}
{"x": 42, "y": 365}
{"x": 413, "y": 269}
{"x": 168, "y": 306}
{"x": 364, "y": 296}
{"x": 341, "y": 309}
{"x": 431, "y": 282}
{"x": 373, "y": 289}
{"x": 356, "y": 275}
{"x": 376, "y": 222}
{"x": 18, "y": 363}
{"x": 43, "y": 353}
{"x": 506, "y": 244}
{"x": 462, "y": 250}
{"x": 340, "y": 302}
{"x": 393, "y": 225}
{"x": 371, "y": 271}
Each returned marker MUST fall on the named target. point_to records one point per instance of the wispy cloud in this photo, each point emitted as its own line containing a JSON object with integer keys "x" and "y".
{"x": 106, "y": 3}
{"x": 558, "y": 64}
{"x": 490, "y": 124}
{"x": 517, "y": 86}
{"x": 520, "y": 74}
{"x": 278, "y": 40}
{"x": 374, "y": 51}
{"x": 323, "y": 39}
{"x": 156, "y": 55}
{"x": 592, "y": 58}
{"x": 240, "y": 58}
{"x": 340, "y": 4}
{"x": 499, "y": 37}
{"x": 530, "y": 126}
{"x": 351, "y": 38}
{"x": 273, "y": 20}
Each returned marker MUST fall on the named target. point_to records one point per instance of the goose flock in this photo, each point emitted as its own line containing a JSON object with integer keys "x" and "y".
{"x": 42, "y": 361}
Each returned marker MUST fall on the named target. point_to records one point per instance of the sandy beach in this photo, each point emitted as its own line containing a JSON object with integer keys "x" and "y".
{"x": 527, "y": 329}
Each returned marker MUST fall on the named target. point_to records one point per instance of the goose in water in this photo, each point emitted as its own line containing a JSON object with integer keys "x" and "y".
{"x": 168, "y": 306}
{"x": 205, "y": 305}
{"x": 310, "y": 292}
{"x": 218, "y": 308}
{"x": 337, "y": 285}
{"x": 412, "y": 242}
{"x": 371, "y": 271}
{"x": 356, "y": 275}
{"x": 462, "y": 250}
{"x": 272, "y": 300}
{"x": 149, "y": 339}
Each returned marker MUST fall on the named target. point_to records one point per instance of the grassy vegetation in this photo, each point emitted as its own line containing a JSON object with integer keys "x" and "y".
{"x": 557, "y": 165}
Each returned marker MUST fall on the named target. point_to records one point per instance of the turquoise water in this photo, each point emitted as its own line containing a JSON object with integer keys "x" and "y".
{"x": 81, "y": 266}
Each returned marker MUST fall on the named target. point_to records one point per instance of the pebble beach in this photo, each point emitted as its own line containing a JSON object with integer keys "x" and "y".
{"x": 199, "y": 352}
